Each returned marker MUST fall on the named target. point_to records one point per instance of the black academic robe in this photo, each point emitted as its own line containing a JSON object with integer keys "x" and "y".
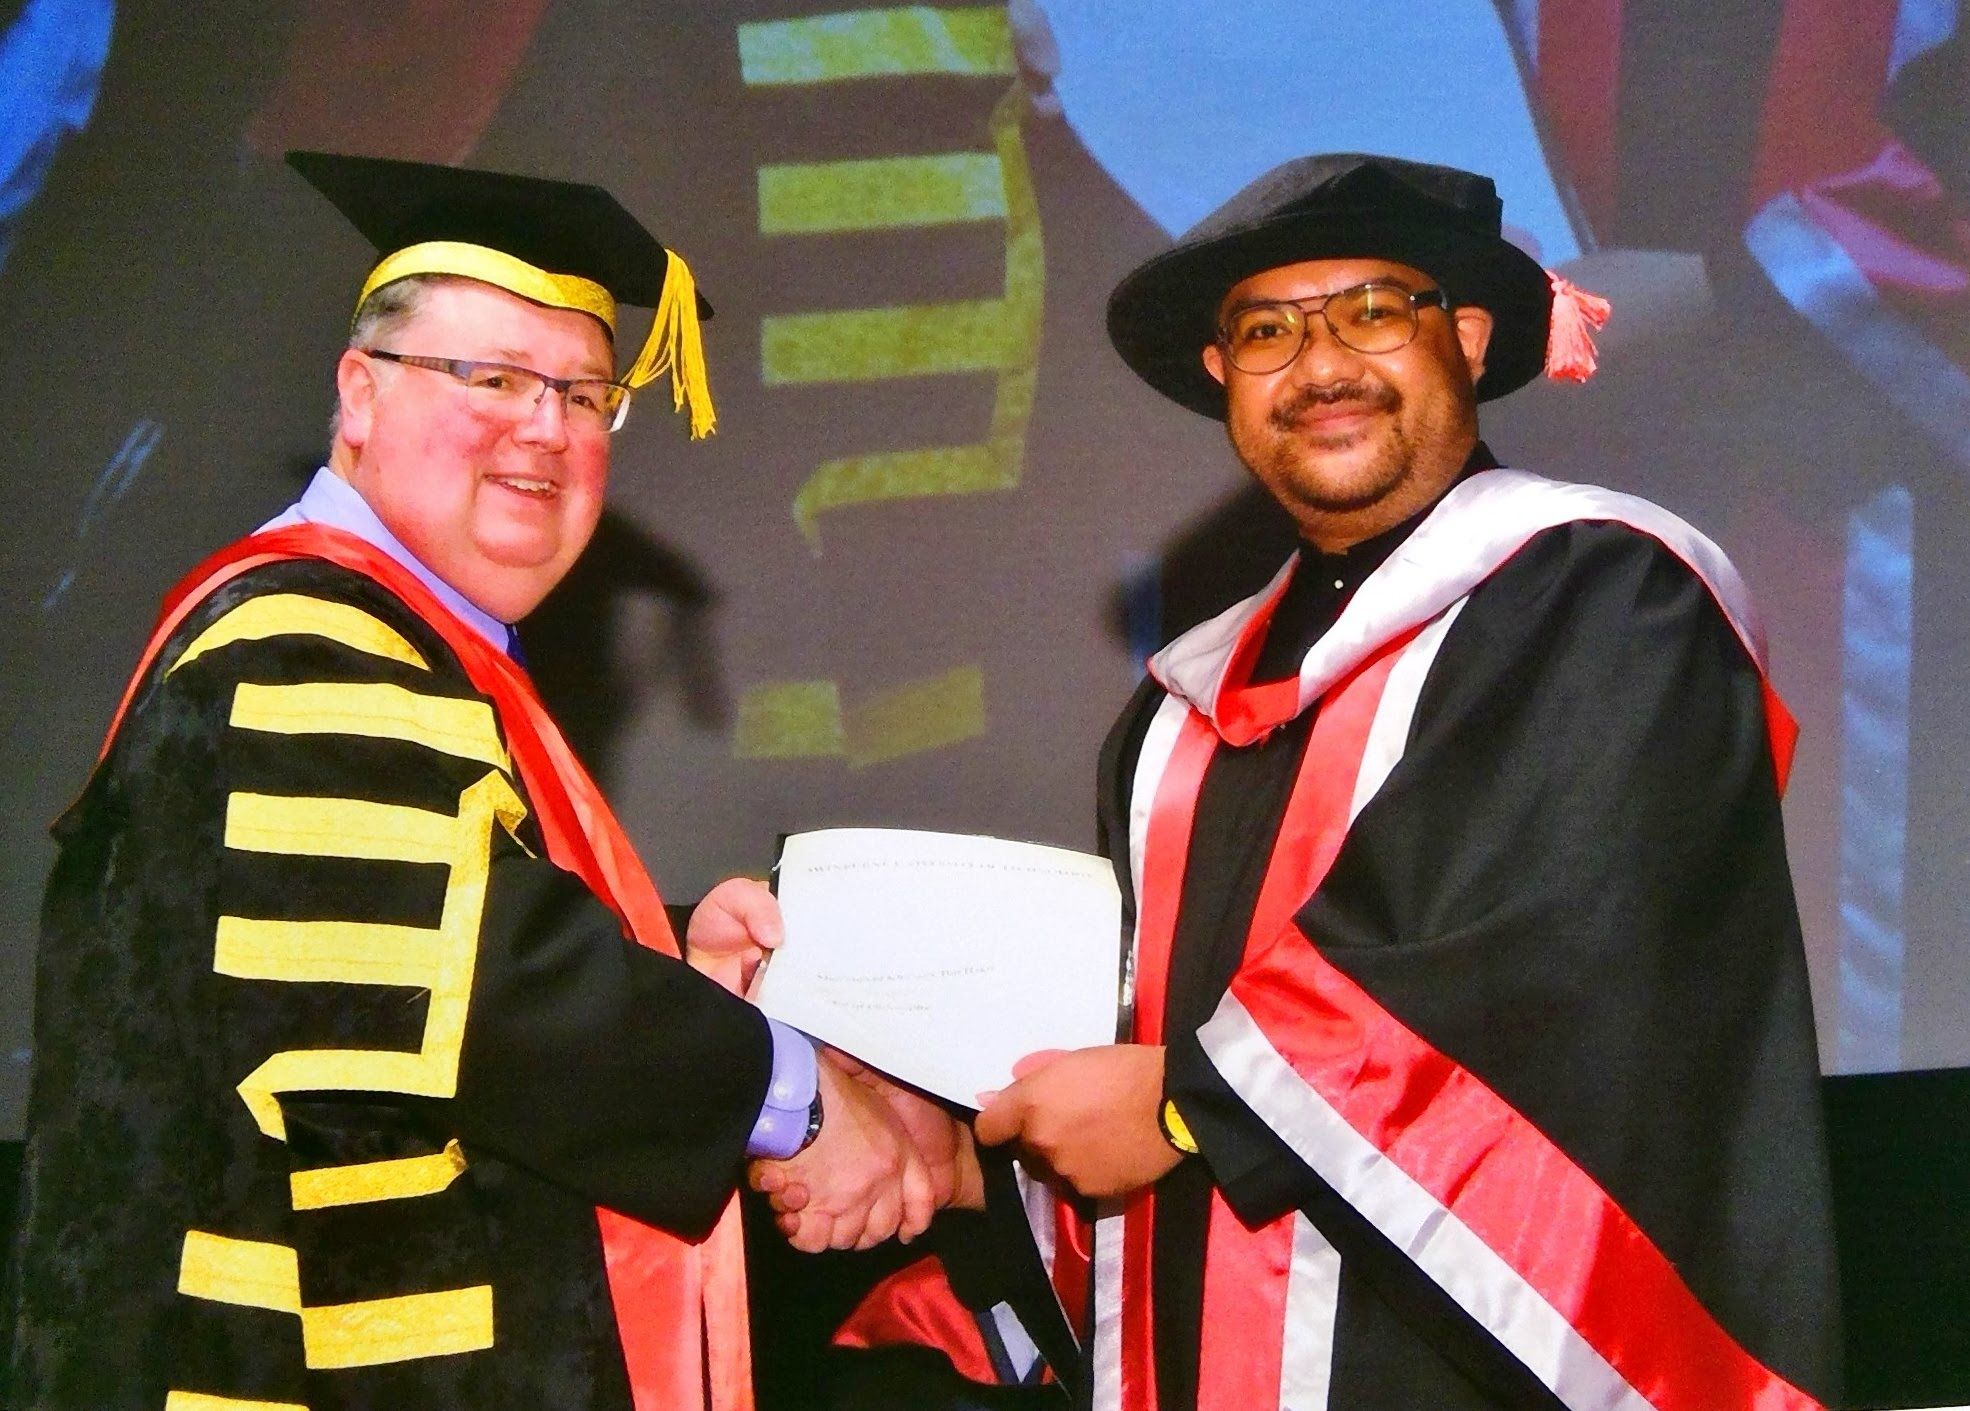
{"x": 1574, "y": 884}
{"x": 304, "y": 892}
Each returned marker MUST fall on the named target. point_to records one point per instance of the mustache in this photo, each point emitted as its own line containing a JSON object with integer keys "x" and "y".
{"x": 1368, "y": 396}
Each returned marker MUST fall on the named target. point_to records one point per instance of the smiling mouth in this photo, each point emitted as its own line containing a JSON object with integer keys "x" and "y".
{"x": 1332, "y": 423}
{"x": 533, "y": 487}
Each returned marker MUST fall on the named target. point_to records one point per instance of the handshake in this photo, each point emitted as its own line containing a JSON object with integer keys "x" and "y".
{"x": 886, "y": 1159}
{"x": 884, "y": 1162}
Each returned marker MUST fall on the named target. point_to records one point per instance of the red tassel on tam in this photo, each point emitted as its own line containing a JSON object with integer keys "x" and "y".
{"x": 1577, "y": 315}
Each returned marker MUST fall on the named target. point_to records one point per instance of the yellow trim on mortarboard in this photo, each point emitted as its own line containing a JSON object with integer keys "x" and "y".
{"x": 675, "y": 344}
{"x": 499, "y": 269}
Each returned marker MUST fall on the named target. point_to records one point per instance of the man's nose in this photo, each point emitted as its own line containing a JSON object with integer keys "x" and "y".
{"x": 1323, "y": 357}
{"x": 546, "y": 424}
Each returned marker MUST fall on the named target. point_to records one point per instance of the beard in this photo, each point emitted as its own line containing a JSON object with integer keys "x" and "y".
{"x": 1331, "y": 474}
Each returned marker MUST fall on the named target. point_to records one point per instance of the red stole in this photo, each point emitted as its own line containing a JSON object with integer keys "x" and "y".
{"x": 680, "y": 1308}
{"x": 1245, "y": 1270}
{"x": 1555, "y": 1234}
{"x": 915, "y": 1307}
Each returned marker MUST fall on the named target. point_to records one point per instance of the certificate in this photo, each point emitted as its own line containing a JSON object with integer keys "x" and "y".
{"x": 943, "y": 959}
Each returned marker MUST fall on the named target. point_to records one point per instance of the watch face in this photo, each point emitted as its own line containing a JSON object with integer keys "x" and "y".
{"x": 1175, "y": 1130}
{"x": 813, "y": 1122}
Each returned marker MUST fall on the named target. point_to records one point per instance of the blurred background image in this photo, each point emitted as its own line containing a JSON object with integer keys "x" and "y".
{"x": 918, "y": 569}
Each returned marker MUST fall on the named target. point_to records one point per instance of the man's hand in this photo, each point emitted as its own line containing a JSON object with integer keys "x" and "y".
{"x": 942, "y": 1140}
{"x": 862, "y": 1180}
{"x": 732, "y": 930}
{"x": 1089, "y": 1116}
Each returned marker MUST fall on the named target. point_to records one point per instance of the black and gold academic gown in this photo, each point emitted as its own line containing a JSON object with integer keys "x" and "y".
{"x": 332, "y": 1066}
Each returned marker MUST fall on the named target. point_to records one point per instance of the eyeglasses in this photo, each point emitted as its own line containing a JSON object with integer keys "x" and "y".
{"x": 1369, "y": 318}
{"x": 592, "y": 404}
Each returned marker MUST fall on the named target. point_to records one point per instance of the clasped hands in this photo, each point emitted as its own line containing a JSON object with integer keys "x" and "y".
{"x": 887, "y": 1158}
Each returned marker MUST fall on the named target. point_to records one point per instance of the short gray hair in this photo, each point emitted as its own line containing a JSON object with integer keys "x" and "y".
{"x": 382, "y": 314}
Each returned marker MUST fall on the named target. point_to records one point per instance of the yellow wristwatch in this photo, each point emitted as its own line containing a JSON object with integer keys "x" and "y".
{"x": 1175, "y": 1130}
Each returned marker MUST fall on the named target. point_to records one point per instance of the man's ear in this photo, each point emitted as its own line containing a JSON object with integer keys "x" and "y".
{"x": 1473, "y": 329}
{"x": 355, "y": 391}
{"x": 1214, "y": 362}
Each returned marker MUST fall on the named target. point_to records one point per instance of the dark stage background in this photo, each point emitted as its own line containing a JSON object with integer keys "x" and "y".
{"x": 916, "y": 572}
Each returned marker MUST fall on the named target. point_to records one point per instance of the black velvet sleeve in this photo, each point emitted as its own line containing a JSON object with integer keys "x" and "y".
{"x": 680, "y": 918}
{"x": 1575, "y": 885}
{"x": 603, "y": 1065}
{"x": 612, "y": 1070}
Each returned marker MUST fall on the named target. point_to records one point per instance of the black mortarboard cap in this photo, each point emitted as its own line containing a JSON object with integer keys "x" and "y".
{"x": 577, "y": 246}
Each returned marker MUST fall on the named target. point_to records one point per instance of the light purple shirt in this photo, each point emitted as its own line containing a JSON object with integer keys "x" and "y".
{"x": 332, "y": 501}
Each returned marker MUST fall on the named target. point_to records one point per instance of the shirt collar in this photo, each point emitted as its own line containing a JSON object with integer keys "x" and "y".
{"x": 1357, "y": 561}
{"x": 332, "y": 501}
{"x": 1322, "y": 583}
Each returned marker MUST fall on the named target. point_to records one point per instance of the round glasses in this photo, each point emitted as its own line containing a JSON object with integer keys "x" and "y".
{"x": 592, "y": 404}
{"x": 1369, "y": 318}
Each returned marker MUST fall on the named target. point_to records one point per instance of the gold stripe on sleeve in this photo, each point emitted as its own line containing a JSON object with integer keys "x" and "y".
{"x": 375, "y": 710}
{"x": 368, "y": 1181}
{"x": 204, "y": 1401}
{"x": 400, "y": 1329}
{"x": 328, "y": 952}
{"x": 295, "y": 615}
{"x": 432, "y": 1071}
{"x": 250, "y": 1273}
{"x": 331, "y": 827}
{"x": 337, "y": 1070}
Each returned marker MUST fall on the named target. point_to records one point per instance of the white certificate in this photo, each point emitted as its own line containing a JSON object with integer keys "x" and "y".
{"x": 943, "y": 959}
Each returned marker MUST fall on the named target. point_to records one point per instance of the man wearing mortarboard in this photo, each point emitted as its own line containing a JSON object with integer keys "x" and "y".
{"x": 368, "y": 1073}
{"x": 1473, "y": 1062}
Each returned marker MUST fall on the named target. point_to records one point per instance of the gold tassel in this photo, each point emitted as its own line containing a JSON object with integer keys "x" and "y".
{"x": 676, "y": 346}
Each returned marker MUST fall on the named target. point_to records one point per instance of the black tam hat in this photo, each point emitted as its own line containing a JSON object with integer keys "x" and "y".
{"x": 1439, "y": 220}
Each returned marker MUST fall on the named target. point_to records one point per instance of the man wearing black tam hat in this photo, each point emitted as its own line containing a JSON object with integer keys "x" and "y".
{"x": 1473, "y": 1063}
{"x": 367, "y": 1070}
